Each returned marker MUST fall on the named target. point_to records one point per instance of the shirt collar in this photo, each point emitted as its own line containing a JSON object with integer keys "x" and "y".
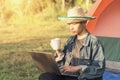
{"x": 87, "y": 39}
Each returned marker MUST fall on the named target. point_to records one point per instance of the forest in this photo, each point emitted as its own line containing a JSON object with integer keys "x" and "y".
{"x": 15, "y": 11}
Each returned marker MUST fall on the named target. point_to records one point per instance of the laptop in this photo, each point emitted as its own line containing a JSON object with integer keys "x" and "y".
{"x": 45, "y": 62}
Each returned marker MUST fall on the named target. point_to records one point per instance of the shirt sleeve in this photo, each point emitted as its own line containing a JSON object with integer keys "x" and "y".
{"x": 59, "y": 57}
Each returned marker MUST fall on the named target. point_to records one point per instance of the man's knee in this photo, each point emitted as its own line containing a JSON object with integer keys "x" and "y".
{"x": 47, "y": 76}
{"x": 43, "y": 76}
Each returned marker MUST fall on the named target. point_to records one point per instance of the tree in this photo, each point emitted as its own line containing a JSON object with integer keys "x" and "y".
{"x": 63, "y": 4}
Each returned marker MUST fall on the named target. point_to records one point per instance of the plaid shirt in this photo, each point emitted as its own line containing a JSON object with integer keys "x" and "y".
{"x": 91, "y": 58}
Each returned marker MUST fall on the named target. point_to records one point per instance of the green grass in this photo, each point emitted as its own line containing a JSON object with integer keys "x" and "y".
{"x": 17, "y": 40}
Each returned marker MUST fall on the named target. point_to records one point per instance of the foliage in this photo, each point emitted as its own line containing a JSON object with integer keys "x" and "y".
{"x": 16, "y": 11}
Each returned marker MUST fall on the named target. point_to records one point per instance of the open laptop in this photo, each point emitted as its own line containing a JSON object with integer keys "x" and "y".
{"x": 45, "y": 62}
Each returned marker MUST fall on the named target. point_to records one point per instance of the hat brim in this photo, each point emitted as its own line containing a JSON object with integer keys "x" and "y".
{"x": 75, "y": 18}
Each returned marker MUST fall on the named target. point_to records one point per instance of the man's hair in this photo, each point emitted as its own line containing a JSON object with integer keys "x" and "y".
{"x": 84, "y": 26}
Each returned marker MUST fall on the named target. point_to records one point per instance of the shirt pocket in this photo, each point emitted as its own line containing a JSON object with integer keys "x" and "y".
{"x": 68, "y": 58}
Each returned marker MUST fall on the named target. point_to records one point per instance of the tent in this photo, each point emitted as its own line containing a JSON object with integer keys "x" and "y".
{"x": 106, "y": 27}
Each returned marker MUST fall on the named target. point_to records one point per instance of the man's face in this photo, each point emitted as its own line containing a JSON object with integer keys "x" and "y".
{"x": 76, "y": 28}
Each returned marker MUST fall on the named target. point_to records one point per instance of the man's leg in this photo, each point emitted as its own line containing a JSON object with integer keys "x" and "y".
{"x": 50, "y": 76}
{"x": 70, "y": 78}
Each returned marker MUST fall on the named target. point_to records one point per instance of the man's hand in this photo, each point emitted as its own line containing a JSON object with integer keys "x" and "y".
{"x": 70, "y": 68}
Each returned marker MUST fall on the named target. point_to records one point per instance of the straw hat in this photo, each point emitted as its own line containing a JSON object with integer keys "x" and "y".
{"x": 75, "y": 14}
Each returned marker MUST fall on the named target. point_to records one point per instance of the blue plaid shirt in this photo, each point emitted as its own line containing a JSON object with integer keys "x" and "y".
{"x": 91, "y": 58}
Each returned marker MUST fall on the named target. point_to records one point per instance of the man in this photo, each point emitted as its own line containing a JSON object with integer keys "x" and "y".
{"x": 82, "y": 57}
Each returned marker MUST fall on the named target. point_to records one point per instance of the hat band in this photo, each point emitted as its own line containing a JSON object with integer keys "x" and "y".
{"x": 88, "y": 17}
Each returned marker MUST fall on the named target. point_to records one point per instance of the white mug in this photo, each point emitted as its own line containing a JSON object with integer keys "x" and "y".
{"x": 55, "y": 43}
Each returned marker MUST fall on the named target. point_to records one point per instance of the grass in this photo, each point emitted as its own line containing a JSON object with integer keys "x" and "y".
{"x": 16, "y": 40}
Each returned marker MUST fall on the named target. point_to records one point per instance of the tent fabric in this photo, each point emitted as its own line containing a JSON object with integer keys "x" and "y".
{"x": 111, "y": 76}
{"x": 106, "y": 26}
{"x": 97, "y": 9}
{"x": 107, "y": 18}
{"x": 108, "y": 22}
{"x": 112, "y": 53}
{"x": 111, "y": 48}
{"x": 110, "y": 66}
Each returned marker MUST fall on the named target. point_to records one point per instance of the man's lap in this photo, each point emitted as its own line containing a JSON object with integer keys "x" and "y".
{"x": 52, "y": 76}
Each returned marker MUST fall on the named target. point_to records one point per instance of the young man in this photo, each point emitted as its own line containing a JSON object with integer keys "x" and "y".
{"x": 82, "y": 57}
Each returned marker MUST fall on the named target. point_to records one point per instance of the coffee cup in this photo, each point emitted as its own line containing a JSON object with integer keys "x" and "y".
{"x": 55, "y": 43}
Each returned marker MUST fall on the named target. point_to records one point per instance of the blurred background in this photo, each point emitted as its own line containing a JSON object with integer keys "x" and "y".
{"x": 33, "y": 11}
{"x": 29, "y": 25}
